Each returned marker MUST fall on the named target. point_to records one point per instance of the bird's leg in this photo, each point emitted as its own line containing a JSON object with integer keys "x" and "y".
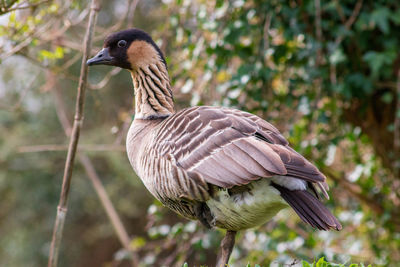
{"x": 226, "y": 248}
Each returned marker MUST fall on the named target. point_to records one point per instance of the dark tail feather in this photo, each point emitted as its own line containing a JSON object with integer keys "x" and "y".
{"x": 309, "y": 209}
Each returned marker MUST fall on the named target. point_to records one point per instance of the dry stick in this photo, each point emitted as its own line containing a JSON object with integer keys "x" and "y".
{"x": 354, "y": 190}
{"x": 26, "y": 5}
{"x": 108, "y": 206}
{"x": 318, "y": 62}
{"x": 396, "y": 134}
{"x": 112, "y": 214}
{"x": 347, "y": 24}
{"x": 350, "y": 21}
{"x": 226, "y": 248}
{"x": 83, "y": 147}
{"x": 131, "y": 13}
{"x": 78, "y": 119}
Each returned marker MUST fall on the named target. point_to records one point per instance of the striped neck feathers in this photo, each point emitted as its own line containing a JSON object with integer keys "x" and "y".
{"x": 153, "y": 95}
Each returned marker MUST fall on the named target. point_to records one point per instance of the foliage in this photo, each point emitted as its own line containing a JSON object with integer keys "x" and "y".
{"x": 323, "y": 72}
{"x": 323, "y": 263}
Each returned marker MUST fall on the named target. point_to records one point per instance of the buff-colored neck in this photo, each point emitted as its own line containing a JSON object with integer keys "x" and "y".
{"x": 153, "y": 95}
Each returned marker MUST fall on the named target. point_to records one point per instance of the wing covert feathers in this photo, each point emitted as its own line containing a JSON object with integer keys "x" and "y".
{"x": 309, "y": 209}
{"x": 230, "y": 147}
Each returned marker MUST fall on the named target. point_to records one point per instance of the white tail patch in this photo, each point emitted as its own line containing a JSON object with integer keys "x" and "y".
{"x": 290, "y": 183}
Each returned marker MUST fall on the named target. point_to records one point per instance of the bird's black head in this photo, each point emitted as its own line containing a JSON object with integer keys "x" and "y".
{"x": 128, "y": 49}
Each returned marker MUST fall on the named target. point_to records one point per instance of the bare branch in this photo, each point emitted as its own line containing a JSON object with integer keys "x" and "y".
{"x": 396, "y": 140}
{"x": 318, "y": 27}
{"x": 105, "y": 31}
{"x": 106, "y": 79}
{"x": 131, "y": 13}
{"x": 56, "y": 147}
{"x": 355, "y": 190}
{"x": 21, "y": 96}
{"x": 124, "y": 129}
{"x": 91, "y": 172}
{"x": 108, "y": 206}
{"x": 78, "y": 120}
{"x": 318, "y": 62}
{"x": 93, "y": 176}
{"x": 350, "y": 21}
{"x": 24, "y": 5}
{"x": 5, "y": 6}
{"x": 267, "y": 26}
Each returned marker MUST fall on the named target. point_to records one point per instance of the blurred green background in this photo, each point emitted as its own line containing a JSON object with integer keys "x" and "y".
{"x": 326, "y": 73}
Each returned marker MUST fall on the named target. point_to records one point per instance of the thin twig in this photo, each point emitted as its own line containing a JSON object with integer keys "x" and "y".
{"x": 4, "y": 6}
{"x": 94, "y": 178}
{"x": 108, "y": 206}
{"x": 105, "y": 80}
{"x": 56, "y": 147}
{"x": 396, "y": 143}
{"x": 24, "y": 5}
{"x": 131, "y": 13}
{"x": 124, "y": 129}
{"x": 104, "y": 32}
{"x": 266, "y": 36}
{"x": 354, "y": 190}
{"x": 78, "y": 120}
{"x": 340, "y": 12}
{"x": 350, "y": 21}
{"x": 26, "y": 41}
{"x": 318, "y": 63}
{"x": 318, "y": 31}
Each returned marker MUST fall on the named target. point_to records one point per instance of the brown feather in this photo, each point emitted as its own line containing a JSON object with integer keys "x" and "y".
{"x": 309, "y": 209}
{"x": 200, "y": 137}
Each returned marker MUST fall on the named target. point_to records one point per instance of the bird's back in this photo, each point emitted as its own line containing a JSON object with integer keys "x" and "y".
{"x": 199, "y": 156}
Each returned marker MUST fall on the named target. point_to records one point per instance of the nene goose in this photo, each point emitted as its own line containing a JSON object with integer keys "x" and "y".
{"x": 224, "y": 167}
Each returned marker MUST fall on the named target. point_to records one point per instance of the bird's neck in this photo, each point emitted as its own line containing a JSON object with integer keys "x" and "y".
{"x": 153, "y": 95}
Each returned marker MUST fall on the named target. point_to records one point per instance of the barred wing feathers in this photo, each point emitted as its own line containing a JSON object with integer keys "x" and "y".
{"x": 229, "y": 147}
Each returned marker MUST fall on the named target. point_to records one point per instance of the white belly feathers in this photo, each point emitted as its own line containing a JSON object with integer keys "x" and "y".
{"x": 246, "y": 209}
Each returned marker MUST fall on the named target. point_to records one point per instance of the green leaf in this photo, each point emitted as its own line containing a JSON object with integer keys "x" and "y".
{"x": 381, "y": 16}
{"x": 57, "y": 54}
{"x": 337, "y": 56}
{"x": 137, "y": 243}
{"x": 387, "y": 97}
{"x": 376, "y": 60}
{"x": 306, "y": 264}
{"x": 12, "y": 17}
{"x": 321, "y": 263}
{"x": 395, "y": 17}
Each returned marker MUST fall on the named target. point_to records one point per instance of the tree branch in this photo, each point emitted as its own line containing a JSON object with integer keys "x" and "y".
{"x": 24, "y": 5}
{"x": 131, "y": 14}
{"x": 94, "y": 178}
{"x": 112, "y": 214}
{"x": 354, "y": 190}
{"x": 396, "y": 143}
{"x": 318, "y": 62}
{"x": 106, "y": 79}
{"x": 350, "y": 21}
{"x": 57, "y": 147}
{"x": 78, "y": 120}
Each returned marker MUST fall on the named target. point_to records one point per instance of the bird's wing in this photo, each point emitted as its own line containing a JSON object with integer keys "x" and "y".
{"x": 228, "y": 147}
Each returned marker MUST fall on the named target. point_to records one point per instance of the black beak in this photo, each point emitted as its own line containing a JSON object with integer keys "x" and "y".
{"x": 102, "y": 58}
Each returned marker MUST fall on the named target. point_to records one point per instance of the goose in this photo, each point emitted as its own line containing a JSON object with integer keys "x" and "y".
{"x": 224, "y": 167}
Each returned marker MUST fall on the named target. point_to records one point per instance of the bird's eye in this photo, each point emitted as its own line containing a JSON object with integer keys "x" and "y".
{"x": 121, "y": 43}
